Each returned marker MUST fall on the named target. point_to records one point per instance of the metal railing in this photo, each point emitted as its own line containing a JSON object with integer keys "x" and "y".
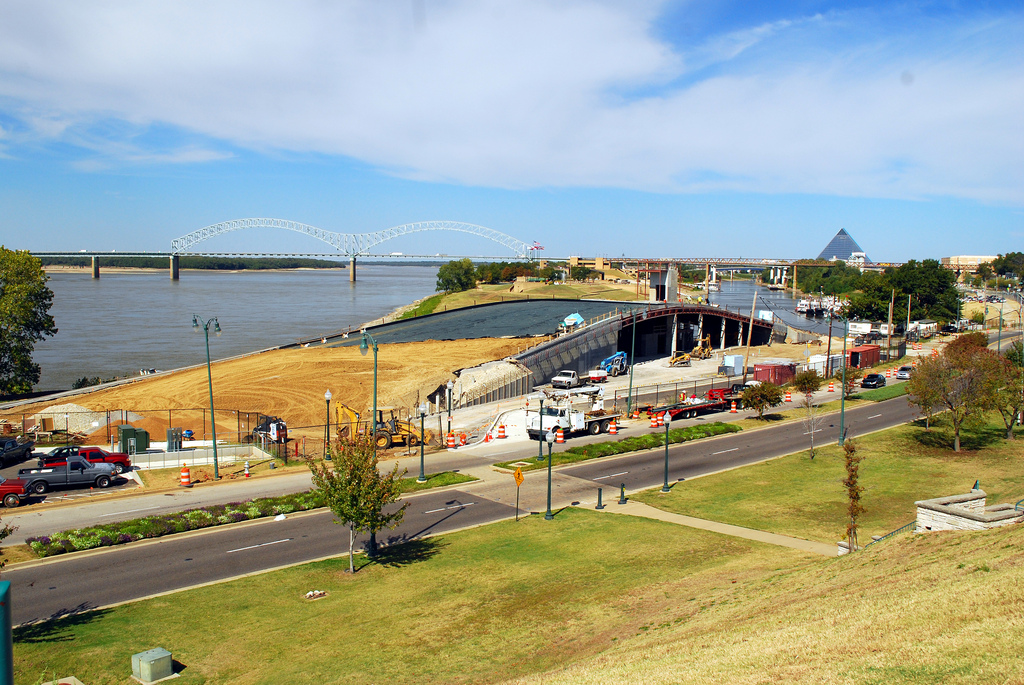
{"x": 895, "y": 532}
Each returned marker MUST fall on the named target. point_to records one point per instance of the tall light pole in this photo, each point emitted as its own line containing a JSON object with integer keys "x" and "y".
{"x": 327, "y": 430}
{"x": 842, "y": 395}
{"x": 197, "y": 323}
{"x": 632, "y": 353}
{"x": 550, "y": 438}
{"x": 449, "y": 385}
{"x": 668, "y": 420}
{"x": 423, "y": 413}
{"x": 540, "y": 427}
{"x": 363, "y": 348}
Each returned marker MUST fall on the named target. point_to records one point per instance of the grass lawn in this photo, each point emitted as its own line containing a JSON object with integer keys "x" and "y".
{"x": 879, "y": 394}
{"x": 481, "y": 605}
{"x": 434, "y": 480}
{"x": 805, "y": 498}
{"x": 427, "y": 306}
{"x": 792, "y": 412}
{"x": 162, "y": 479}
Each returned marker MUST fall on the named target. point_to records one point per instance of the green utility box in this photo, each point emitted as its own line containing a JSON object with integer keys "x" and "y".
{"x": 132, "y": 440}
{"x": 152, "y": 665}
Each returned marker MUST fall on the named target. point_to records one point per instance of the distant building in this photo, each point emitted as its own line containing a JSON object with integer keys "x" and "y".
{"x": 968, "y": 262}
{"x": 845, "y": 249}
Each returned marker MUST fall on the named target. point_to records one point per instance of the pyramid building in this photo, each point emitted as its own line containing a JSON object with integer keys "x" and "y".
{"x": 842, "y": 247}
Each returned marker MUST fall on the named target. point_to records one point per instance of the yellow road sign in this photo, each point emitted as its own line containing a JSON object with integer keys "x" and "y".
{"x": 518, "y": 475}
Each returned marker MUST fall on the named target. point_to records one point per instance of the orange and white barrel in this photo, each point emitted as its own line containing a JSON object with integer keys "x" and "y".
{"x": 186, "y": 477}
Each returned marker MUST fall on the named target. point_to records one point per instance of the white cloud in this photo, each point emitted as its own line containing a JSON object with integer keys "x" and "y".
{"x": 535, "y": 93}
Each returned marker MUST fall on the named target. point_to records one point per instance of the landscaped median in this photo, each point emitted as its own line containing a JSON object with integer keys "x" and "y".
{"x": 149, "y": 527}
{"x": 634, "y": 443}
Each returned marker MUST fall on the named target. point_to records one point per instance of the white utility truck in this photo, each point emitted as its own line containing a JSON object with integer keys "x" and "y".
{"x": 574, "y": 411}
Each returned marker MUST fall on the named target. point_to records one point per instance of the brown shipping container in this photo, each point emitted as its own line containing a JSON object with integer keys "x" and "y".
{"x": 779, "y": 374}
{"x": 863, "y": 356}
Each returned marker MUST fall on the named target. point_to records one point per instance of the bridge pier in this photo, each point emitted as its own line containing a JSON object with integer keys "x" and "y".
{"x": 95, "y": 267}
{"x": 174, "y": 267}
{"x": 352, "y": 270}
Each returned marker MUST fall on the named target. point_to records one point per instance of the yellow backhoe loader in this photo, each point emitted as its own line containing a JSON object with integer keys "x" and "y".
{"x": 391, "y": 430}
{"x": 703, "y": 350}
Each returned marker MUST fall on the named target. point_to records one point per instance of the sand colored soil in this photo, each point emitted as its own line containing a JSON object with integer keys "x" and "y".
{"x": 291, "y": 383}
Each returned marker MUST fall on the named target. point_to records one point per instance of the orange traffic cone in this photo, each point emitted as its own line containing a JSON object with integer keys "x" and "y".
{"x": 462, "y": 439}
{"x": 661, "y": 419}
{"x": 488, "y": 437}
{"x": 186, "y": 477}
{"x": 789, "y": 397}
{"x": 501, "y": 432}
{"x": 654, "y": 421}
{"x": 451, "y": 441}
{"x": 831, "y": 386}
{"x": 612, "y": 428}
{"x": 732, "y": 409}
{"x": 559, "y": 436}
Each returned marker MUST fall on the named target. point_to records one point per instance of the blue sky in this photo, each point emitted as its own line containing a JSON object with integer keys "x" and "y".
{"x": 650, "y": 129}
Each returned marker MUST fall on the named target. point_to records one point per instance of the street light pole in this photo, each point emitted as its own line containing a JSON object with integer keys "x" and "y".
{"x": 540, "y": 428}
{"x": 551, "y": 441}
{"x": 423, "y": 413}
{"x": 449, "y": 385}
{"x": 842, "y": 395}
{"x": 196, "y": 325}
{"x": 327, "y": 431}
{"x": 668, "y": 419}
{"x": 363, "y": 348}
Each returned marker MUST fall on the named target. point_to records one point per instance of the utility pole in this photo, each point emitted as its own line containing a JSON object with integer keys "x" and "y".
{"x": 750, "y": 331}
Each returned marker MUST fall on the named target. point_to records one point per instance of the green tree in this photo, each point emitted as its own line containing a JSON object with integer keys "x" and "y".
{"x": 24, "y": 318}
{"x": 853, "y": 491}
{"x": 456, "y": 276}
{"x": 807, "y": 382}
{"x": 357, "y": 492}
{"x": 924, "y": 389}
{"x": 762, "y": 397}
{"x": 852, "y": 375}
{"x": 5, "y": 530}
{"x": 1009, "y": 398}
{"x": 931, "y": 287}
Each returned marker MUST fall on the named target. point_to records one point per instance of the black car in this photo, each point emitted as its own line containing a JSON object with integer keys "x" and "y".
{"x": 873, "y": 380}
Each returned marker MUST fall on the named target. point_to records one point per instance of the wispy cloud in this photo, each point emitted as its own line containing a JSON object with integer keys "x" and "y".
{"x": 536, "y": 93}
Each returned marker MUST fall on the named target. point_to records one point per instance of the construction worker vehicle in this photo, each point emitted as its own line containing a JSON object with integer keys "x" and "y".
{"x": 703, "y": 349}
{"x": 681, "y": 359}
{"x": 574, "y": 411}
{"x": 391, "y": 428}
{"x": 270, "y": 429}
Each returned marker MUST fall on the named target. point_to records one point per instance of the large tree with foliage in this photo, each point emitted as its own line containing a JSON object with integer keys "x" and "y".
{"x": 24, "y": 318}
{"x": 1009, "y": 398}
{"x": 1010, "y": 264}
{"x": 963, "y": 380}
{"x": 357, "y": 492}
{"x": 931, "y": 288}
{"x": 762, "y": 397}
{"x": 456, "y": 276}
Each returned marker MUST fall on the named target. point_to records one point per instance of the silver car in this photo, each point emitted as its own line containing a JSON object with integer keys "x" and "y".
{"x": 904, "y": 373}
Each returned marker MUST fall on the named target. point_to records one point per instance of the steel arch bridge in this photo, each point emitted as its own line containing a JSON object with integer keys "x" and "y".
{"x": 350, "y": 244}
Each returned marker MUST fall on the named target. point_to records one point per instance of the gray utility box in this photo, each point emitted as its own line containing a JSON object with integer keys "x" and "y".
{"x": 174, "y": 439}
{"x": 152, "y": 665}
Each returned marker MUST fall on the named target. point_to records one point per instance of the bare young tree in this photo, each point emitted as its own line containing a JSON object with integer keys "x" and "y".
{"x": 853, "y": 491}
{"x": 813, "y": 419}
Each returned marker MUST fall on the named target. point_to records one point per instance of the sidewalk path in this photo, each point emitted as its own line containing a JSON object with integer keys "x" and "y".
{"x": 632, "y": 508}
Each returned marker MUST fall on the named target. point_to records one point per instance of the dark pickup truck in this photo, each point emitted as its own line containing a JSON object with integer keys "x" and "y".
{"x": 59, "y": 455}
{"x": 76, "y": 471}
{"x": 11, "y": 451}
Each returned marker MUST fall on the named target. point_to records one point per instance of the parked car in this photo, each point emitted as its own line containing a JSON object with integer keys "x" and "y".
{"x": 566, "y": 378}
{"x": 873, "y": 380}
{"x": 13, "y": 491}
{"x": 96, "y": 455}
{"x": 11, "y": 450}
{"x": 76, "y": 471}
{"x": 950, "y": 329}
{"x": 904, "y": 373}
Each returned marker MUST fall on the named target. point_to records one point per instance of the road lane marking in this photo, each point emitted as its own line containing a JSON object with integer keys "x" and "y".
{"x": 814, "y": 431}
{"x": 242, "y": 549}
{"x": 875, "y": 416}
{"x": 129, "y": 511}
{"x": 724, "y": 451}
{"x": 454, "y": 506}
{"x": 611, "y": 475}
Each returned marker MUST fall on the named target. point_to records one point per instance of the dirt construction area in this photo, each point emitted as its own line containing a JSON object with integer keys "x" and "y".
{"x": 291, "y": 383}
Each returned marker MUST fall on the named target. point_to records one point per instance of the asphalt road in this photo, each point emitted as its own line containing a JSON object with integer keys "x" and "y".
{"x": 80, "y": 582}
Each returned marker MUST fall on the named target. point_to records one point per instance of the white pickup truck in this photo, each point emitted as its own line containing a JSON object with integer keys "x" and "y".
{"x": 566, "y": 379}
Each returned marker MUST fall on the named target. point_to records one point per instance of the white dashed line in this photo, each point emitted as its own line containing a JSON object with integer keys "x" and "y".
{"x": 724, "y": 451}
{"x": 875, "y": 416}
{"x": 242, "y": 549}
{"x": 129, "y": 511}
{"x": 455, "y": 506}
{"x": 611, "y": 475}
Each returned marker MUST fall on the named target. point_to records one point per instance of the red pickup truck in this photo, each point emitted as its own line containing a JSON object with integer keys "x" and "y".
{"x": 12, "y": 491}
{"x": 60, "y": 455}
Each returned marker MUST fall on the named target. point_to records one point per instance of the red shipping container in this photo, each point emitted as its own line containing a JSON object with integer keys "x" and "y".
{"x": 864, "y": 356}
{"x": 778, "y": 374}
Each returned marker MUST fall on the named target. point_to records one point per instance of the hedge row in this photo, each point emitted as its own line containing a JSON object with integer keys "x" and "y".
{"x": 651, "y": 440}
{"x": 167, "y": 524}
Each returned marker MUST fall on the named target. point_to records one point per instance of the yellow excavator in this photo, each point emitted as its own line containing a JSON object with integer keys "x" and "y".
{"x": 703, "y": 350}
{"x": 680, "y": 359}
{"x": 391, "y": 430}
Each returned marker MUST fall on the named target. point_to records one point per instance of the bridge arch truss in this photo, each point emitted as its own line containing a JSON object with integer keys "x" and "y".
{"x": 350, "y": 244}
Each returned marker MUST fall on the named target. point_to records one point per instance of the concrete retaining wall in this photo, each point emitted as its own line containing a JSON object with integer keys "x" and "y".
{"x": 964, "y": 512}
